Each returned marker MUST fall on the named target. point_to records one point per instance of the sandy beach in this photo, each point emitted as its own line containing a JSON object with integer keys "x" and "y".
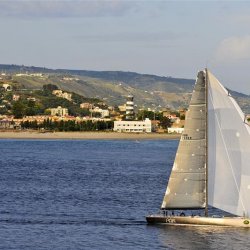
{"x": 85, "y": 135}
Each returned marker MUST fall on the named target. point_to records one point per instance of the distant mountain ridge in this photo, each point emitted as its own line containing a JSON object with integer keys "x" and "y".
{"x": 150, "y": 91}
{"x": 106, "y": 75}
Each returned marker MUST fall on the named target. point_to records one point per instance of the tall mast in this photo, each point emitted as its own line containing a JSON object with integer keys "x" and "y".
{"x": 206, "y": 133}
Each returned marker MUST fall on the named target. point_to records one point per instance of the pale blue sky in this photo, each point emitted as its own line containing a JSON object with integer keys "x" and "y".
{"x": 170, "y": 38}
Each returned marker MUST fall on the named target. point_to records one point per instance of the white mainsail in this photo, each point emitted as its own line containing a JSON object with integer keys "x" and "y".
{"x": 186, "y": 186}
{"x": 228, "y": 152}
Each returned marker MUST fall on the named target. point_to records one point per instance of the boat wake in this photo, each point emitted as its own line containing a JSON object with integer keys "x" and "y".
{"x": 72, "y": 222}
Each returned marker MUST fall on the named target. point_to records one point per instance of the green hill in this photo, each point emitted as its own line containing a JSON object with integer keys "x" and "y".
{"x": 113, "y": 86}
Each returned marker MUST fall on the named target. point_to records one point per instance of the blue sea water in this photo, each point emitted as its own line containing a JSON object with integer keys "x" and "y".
{"x": 90, "y": 194}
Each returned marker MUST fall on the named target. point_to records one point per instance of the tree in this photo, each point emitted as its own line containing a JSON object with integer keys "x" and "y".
{"x": 70, "y": 125}
{"x": 18, "y": 109}
{"x": 152, "y": 115}
{"x": 48, "y": 88}
{"x": 3, "y": 110}
{"x": 30, "y": 110}
{"x": 165, "y": 122}
{"x": 182, "y": 117}
{"x": 96, "y": 114}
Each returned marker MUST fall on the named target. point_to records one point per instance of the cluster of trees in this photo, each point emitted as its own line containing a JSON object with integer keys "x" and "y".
{"x": 24, "y": 107}
{"x": 142, "y": 114}
{"x": 68, "y": 125}
{"x": 164, "y": 121}
{"x": 182, "y": 117}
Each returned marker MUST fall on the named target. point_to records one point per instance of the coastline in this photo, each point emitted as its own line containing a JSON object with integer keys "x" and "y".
{"x": 86, "y": 135}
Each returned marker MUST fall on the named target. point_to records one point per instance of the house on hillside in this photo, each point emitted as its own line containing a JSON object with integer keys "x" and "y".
{"x": 7, "y": 87}
{"x": 60, "y": 93}
{"x": 15, "y": 97}
{"x": 59, "y": 111}
{"x": 33, "y": 99}
{"x": 86, "y": 105}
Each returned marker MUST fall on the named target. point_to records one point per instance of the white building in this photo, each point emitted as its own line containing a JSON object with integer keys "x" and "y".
{"x": 60, "y": 93}
{"x": 7, "y": 87}
{"x": 67, "y": 96}
{"x": 15, "y": 97}
{"x": 86, "y": 105}
{"x": 57, "y": 92}
{"x": 103, "y": 112}
{"x": 22, "y": 74}
{"x": 175, "y": 130}
{"x": 59, "y": 111}
{"x": 70, "y": 79}
{"x": 122, "y": 108}
{"x": 33, "y": 99}
{"x": 32, "y": 74}
{"x": 133, "y": 126}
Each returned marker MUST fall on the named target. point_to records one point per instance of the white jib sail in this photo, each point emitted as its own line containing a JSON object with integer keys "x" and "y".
{"x": 228, "y": 152}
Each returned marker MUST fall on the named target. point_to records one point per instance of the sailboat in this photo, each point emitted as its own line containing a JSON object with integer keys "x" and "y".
{"x": 212, "y": 163}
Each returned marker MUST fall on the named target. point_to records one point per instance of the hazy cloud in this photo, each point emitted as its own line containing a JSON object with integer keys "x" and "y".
{"x": 242, "y": 18}
{"x": 64, "y": 8}
{"x": 233, "y": 49}
{"x": 131, "y": 37}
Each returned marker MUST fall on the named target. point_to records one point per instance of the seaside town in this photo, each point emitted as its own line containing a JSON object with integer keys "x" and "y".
{"x": 54, "y": 109}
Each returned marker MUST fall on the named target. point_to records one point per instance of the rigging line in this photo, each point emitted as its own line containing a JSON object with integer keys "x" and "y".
{"x": 228, "y": 155}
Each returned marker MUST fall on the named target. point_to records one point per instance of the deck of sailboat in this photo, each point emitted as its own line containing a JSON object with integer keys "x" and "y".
{"x": 199, "y": 221}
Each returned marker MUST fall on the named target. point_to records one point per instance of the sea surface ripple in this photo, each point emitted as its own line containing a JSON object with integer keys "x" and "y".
{"x": 91, "y": 194}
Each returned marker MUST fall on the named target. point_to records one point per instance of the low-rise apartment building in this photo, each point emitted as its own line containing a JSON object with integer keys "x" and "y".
{"x": 133, "y": 126}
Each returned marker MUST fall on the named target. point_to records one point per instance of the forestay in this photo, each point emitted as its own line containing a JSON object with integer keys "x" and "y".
{"x": 186, "y": 187}
{"x": 228, "y": 152}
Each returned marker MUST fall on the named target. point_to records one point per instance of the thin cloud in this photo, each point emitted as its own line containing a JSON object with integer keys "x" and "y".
{"x": 131, "y": 37}
{"x": 242, "y": 18}
{"x": 64, "y": 8}
{"x": 233, "y": 49}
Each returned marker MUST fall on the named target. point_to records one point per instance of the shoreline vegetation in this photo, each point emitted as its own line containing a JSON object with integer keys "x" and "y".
{"x": 86, "y": 135}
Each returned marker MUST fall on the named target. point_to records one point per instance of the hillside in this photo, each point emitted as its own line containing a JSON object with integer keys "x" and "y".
{"x": 113, "y": 86}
